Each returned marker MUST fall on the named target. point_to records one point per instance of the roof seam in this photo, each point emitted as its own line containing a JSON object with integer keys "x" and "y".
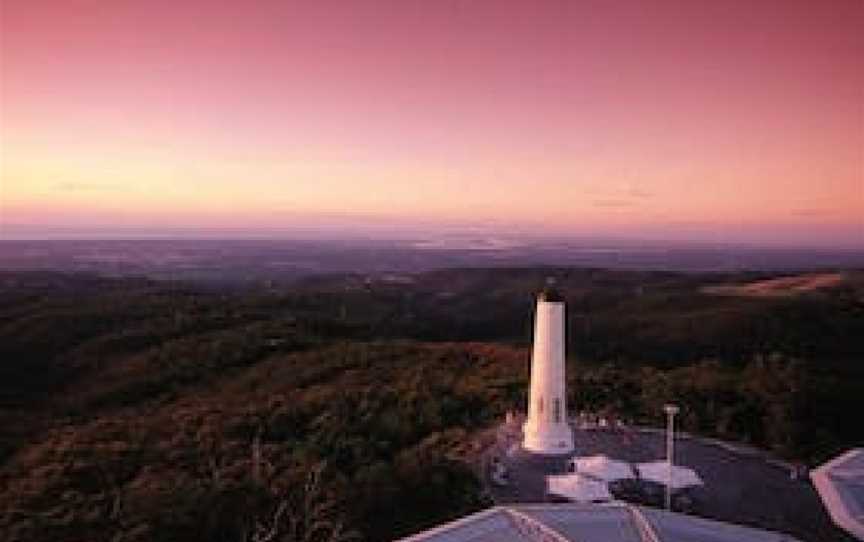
{"x": 532, "y": 529}
{"x": 646, "y": 531}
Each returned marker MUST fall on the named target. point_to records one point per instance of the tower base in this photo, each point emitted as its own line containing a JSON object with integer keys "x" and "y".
{"x": 555, "y": 440}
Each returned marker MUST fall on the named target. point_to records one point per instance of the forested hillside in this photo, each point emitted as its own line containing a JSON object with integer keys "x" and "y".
{"x": 351, "y": 406}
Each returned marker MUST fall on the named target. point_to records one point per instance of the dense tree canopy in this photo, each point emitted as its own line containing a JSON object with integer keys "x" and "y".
{"x": 343, "y": 408}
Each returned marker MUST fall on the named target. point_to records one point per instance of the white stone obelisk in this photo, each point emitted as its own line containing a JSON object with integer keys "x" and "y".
{"x": 546, "y": 431}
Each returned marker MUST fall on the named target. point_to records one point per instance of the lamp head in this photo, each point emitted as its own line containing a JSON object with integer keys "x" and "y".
{"x": 550, "y": 292}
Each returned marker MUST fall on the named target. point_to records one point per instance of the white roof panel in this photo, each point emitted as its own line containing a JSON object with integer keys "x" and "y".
{"x": 840, "y": 483}
{"x": 488, "y": 526}
{"x": 612, "y": 522}
{"x": 594, "y": 524}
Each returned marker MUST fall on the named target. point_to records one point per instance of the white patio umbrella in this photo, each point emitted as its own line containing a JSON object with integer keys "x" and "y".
{"x": 602, "y": 468}
{"x": 577, "y": 488}
{"x": 659, "y": 471}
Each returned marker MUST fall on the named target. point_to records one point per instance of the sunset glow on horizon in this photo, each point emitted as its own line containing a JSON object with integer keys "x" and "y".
{"x": 735, "y": 121}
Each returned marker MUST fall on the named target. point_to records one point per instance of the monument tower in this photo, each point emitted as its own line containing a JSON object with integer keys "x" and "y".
{"x": 546, "y": 430}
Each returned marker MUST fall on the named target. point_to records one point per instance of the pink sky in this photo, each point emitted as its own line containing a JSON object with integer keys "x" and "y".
{"x": 720, "y": 120}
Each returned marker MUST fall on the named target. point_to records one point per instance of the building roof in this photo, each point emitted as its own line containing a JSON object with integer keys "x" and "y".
{"x": 840, "y": 483}
{"x": 611, "y": 522}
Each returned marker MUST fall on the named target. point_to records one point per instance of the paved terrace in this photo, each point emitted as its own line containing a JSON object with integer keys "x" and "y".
{"x": 741, "y": 487}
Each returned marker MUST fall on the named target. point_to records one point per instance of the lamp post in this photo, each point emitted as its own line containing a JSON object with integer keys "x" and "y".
{"x": 670, "y": 411}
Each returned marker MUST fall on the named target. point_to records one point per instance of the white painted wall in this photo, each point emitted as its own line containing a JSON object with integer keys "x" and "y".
{"x": 546, "y": 430}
